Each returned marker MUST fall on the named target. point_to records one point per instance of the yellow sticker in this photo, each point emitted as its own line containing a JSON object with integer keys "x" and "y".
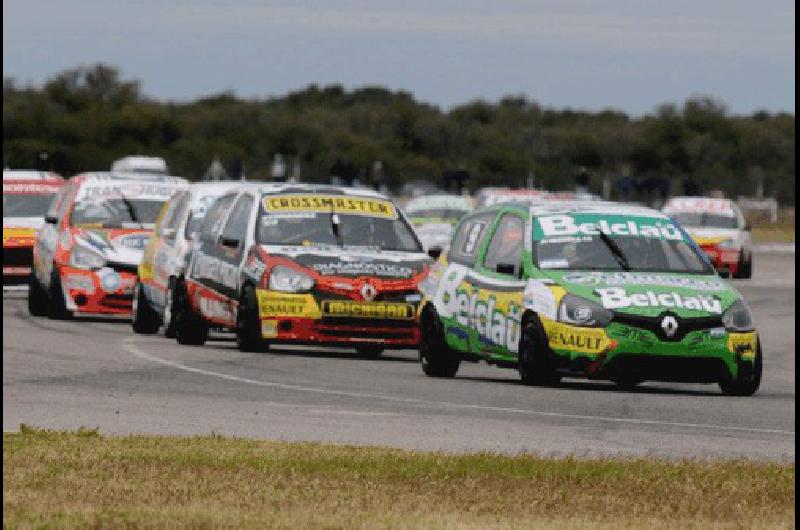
{"x": 744, "y": 344}
{"x": 328, "y": 203}
{"x": 706, "y": 241}
{"x": 269, "y": 328}
{"x": 19, "y": 233}
{"x": 274, "y": 304}
{"x": 573, "y": 338}
{"x": 351, "y": 308}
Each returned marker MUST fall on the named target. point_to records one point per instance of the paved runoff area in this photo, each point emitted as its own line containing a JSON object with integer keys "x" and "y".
{"x": 95, "y": 373}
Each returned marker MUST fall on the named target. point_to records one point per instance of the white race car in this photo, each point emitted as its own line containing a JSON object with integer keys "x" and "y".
{"x": 435, "y": 216}
{"x": 718, "y": 226}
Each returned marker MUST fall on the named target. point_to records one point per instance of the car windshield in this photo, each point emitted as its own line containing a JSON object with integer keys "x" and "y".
{"x": 704, "y": 220}
{"x": 120, "y": 212}
{"x": 26, "y": 205}
{"x": 448, "y": 214}
{"x": 596, "y": 242}
{"x": 292, "y": 225}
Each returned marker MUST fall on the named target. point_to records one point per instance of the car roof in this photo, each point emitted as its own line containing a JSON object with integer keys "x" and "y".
{"x": 593, "y": 206}
{"x": 444, "y": 199}
{"x": 288, "y": 188}
{"x": 115, "y": 176}
{"x": 29, "y": 174}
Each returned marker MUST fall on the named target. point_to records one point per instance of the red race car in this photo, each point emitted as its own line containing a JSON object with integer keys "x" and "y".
{"x": 86, "y": 256}
{"x": 26, "y": 197}
{"x": 304, "y": 264}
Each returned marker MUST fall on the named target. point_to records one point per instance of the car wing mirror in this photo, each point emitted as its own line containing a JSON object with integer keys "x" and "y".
{"x": 435, "y": 252}
{"x": 230, "y": 242}
{"x": 506, "y": 268}
{"x": 51, "y": 219}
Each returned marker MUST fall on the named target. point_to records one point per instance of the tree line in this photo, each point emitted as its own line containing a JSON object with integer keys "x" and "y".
{"x": 86, "y": 117}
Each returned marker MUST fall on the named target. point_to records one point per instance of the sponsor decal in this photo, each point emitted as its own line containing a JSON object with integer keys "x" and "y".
{"x": 496, "y": 319}
{"x": 352, "y": 308}
{"x": 583, "y": 340}
{"x": 148, "y": 190}
{"x": 38, "y": 188}
{"x": 363, "y": 268}
{"x": 618, "y": 298}
{"x": 744, "y": 344}
{"x": 215, "y": 269}
{"x": 330, "y": 203}
{"x": 19, "y": 237}
{"x": 631, "y": 278}
{"x": 133, "y": 241}
{"x": 272, "y": 304}
{"x": 617, "y": 225}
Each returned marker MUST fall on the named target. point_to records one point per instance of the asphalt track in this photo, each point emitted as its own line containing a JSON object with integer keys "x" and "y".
{"x": 93, "y": 373}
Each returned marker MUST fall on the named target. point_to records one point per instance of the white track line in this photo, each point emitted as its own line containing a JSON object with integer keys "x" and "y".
{"x": 128, "y": 344}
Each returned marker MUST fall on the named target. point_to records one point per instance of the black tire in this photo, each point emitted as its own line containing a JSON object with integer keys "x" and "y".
{"x": 37, "y": 297}
{"x": 144, "y": 319}
{"x": 435, "y": 356}
{"x": 56, "y": 305}
{"x": 535, "y": 356}
{"x": 747, "y": 381}
{"x": 248, "y": 325}
{"x": 167, "y": 322}
{"x": 190, "y": 329}
{"x": 627, "y": 382}
{"x": 745, "y": 268}
{"x": 369, "y": 352}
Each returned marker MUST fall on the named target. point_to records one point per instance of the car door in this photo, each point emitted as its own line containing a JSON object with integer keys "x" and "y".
{"x": 453, "y": 297}
{"x": 205, "y": 264}
{"x": 165, "y": 250}
{"x": 232, "y": 245}
{"x": 498, "y": 286}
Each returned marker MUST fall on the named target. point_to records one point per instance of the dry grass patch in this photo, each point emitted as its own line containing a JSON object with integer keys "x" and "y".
{"x": 82, "y": 479}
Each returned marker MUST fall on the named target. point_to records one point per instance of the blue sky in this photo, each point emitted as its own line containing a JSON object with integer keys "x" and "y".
{"x": 626, "y": 55}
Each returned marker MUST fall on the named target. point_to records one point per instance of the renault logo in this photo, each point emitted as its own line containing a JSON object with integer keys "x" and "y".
{"x": 369, "y": 292}
{"x": 670, "y": 326}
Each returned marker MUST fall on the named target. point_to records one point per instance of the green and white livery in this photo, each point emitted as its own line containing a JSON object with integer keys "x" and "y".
{"x": 586, "y": 289}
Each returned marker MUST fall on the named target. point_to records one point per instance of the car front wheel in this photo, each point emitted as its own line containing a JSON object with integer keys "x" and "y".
{"x": 435, "y": 356}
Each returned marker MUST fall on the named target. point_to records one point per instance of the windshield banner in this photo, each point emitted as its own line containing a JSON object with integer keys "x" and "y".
{"x": 149, "y": 190}
{"x": 551, "y": 226}
{"x": 330, "y": 203}
{"x": 31, "y": 188}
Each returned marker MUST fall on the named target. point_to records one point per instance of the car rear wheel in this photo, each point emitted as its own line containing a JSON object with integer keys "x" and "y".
{"x": 535, "y": 357}
{"x": 37, "y": 297}
{"x": 144, "y": 319}
{"x": 248, "y": 325}
{"x": 56, "y": 305}
{"x": 435, "y": 356}
{"x": 369, "y": 352}
{"x": 190, "y": 329}
{"x": 747, "y": 381}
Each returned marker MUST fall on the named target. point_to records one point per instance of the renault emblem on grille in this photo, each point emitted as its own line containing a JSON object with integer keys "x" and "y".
{"x": 369, "y": 292}
{"x": 670, "y": 326}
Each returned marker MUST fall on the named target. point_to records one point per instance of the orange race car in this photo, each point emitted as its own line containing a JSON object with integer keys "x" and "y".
{"x": 86, "y": 256}
{"x": 26, "y": 197}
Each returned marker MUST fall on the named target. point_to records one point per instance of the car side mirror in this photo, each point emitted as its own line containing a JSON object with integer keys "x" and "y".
{"x": 435, "y": 252}
{"x": 51, "y": 219}
{"x": 230, "y": 242}
{"x": 505, "y": 268}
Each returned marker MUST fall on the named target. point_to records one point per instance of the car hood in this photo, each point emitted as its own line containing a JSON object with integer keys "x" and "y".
{"x": 124, "y": 246}
{"x": 354, "y": 262}
{"x": 650, "y": 294}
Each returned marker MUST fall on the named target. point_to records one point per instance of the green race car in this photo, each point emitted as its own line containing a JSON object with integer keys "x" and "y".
{"x": 585, "y": 289}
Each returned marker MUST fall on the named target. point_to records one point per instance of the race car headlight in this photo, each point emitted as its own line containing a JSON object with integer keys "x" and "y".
{"x": 738, "y": 317}
{"x": 727, "y": 243}
{"x": 582, "y": 312}
{"x": 85, "y": 258}
{"x": 289, "y": 280}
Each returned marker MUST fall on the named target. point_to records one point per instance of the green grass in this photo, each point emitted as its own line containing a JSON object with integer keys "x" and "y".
{"x": 82, "y": 479}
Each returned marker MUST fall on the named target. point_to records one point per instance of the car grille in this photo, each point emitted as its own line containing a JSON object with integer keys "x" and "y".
{"x": 123, "y": 267}
{"x": 653, "y": 324}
